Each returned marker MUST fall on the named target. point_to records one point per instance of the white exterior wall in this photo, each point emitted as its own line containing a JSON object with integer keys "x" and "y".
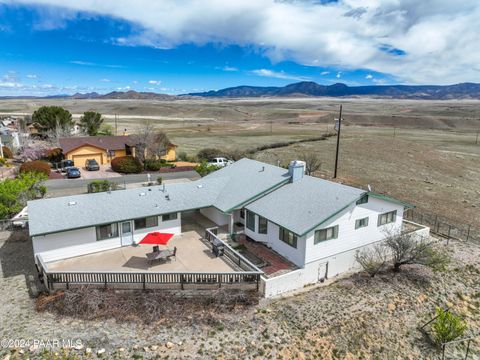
{"x": 271, "y": 239}
{"x": 79, "y": 242}
{"x": 338, "y": 251}
{"x": 216, "y": 216}
{"x": 171, "y": 226}
{"x": 71, "y": 243}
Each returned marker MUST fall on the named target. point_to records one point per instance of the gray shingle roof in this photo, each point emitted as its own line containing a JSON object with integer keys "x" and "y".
{"x": 304, "y": 204}
{"x": 224, "y": 189}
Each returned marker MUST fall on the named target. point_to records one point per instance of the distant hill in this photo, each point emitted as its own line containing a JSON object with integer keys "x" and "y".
{"x": 132, "y": 94}
{"x": 309, "y": 88}
{"x": 304, "y": 88}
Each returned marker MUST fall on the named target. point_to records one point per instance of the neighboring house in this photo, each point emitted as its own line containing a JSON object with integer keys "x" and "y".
{"x": 101, "y": 148}
{"x": 9, "y": 137}
{"x": 316, "y": 224}
{"x": 170, "y": 153}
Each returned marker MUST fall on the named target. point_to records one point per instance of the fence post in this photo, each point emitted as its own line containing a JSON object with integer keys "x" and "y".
{"x": 143, "y": 279}
{"x": 443, "y": 351}
{"x": 181, "y": 281}
{"x": 468, "y": 348}
{"x": 105, "y": 279}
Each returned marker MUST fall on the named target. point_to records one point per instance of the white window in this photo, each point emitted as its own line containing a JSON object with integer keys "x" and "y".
{"x": 262, "y": 225}
{"x": 250, "y": 220}
{"x": 326, "y": 234}
{"x": 387, "y": 218}
{"x": 360, "y": 223}
{"x": 168, "y": 217}
{"x": 107, "y": 231}
{"x": 287, "y": 237}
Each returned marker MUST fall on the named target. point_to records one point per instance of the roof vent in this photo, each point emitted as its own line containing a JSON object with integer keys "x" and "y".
{"x": 72, "y": 203}
{"x": 296, "y": 170}
{"x": 167, "y": 197}
{"x": 142, "y": 194}
{"x": 263, "y": 169}
{"x": 199, "y": 186}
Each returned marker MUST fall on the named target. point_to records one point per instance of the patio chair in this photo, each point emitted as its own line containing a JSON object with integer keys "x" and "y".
{"x": 172, "y": 253}
{"x": 156, "y": 248}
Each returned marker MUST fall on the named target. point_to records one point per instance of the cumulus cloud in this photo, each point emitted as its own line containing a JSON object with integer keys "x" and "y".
{"x": 154, "y": 82}
{"x": 105, "y": 80}
{"x": 325, "y": 73}
{"x": 277, "y": 74}
{"x": 369, "y": 77}
{"x": 414, "y": 41}
{"x": 32, "y": 76}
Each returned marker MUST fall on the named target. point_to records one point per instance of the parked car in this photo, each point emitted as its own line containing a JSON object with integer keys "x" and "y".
{"x": 66, "y": 164}
{"x": 92, "y": 165}
{"x": 220, "y": 162}
{"x": 73, "y": 172}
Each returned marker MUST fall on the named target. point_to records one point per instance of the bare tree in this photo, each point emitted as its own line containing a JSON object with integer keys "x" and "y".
{"x": 313, "y": 162}
{"x": 405, "y": 249}
{"x": 149, "y": 141}
{"x": 373, "y": 259}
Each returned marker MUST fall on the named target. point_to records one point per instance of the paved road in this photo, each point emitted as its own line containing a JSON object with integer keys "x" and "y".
{"x": 62, "y": 187}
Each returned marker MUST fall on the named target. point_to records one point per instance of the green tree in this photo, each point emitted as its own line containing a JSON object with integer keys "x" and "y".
{"x": 14, "y": 193}
{"x": 91, "y": 122}
{"x": 105, "y": 129}
{"x": 447, "y": 327}
{"x": 52, "y": 119}
{"x": 204, "y": 168}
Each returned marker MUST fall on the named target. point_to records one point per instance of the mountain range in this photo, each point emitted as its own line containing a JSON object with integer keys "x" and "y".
{"x": 309, "y": 88}
{"x": 299, "y": 89}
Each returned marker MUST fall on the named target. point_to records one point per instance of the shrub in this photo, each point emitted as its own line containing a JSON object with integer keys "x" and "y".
{"x": 54, "y": 155}
{"x": 204, "y": 168}
{"x": 405, "y": 249}
{"x": 7, "y": 153}
{"x": 159, "y": 180}
{"x": 127, "y": 165}
{"x": 2, "y": 161}
{"x": 447, "y": 327}
{"x": 37, "y": 166}
{"x": 209, "y": 153}
{"x": 182, "y": 156}
{"x": 101, "y": 186}
{"x": 152, "y": 164}
{"x": 372, "y": 260}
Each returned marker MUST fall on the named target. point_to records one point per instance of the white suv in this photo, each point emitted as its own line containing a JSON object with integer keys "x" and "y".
{"x": 220, "y": 162}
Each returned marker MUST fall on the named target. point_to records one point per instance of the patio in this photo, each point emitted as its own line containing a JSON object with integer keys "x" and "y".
{"x": 193, "y": 255}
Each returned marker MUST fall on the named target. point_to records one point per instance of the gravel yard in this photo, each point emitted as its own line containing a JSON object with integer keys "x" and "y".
{"x": 355, "y": 317}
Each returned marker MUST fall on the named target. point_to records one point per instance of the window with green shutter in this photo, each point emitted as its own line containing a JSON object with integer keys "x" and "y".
{"x": 326, "y": 234}
{"x": 360, "y": 223}
{"x": 387, "y": 218}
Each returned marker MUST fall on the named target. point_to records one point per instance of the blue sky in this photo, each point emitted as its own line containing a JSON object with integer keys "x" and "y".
{"x": 49, "y": 48}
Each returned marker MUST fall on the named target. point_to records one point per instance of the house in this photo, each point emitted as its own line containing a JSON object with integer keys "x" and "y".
{"x": 101, "y": 148}
{"x": 314, "y": 224}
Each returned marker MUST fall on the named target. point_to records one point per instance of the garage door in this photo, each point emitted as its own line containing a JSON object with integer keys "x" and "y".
{"x": 79, "y": 160}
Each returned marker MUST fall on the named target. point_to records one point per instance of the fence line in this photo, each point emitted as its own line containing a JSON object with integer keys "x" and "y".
{"x": 444, "y": 227}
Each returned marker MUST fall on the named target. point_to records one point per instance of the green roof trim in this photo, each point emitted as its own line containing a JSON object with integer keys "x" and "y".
{"x": 391, "y": 199}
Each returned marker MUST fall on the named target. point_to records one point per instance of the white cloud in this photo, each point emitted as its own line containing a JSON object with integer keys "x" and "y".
{"x": 154, "y": 82}
{"x": 229, "y": 68}
{"x": 348, "y": 34}
{"x": 32, "y": 76}
{"x": 80, "y": 62}
{"x": 369, "y": 76}
{"x": 339, "y": 75}
{"x": 277, "y": 74}
{"x": 105, "y": 80}
{"x": 325, "y": 73}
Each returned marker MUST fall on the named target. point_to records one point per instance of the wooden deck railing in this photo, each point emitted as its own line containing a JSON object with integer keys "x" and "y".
{"x": 230, "y": 252}
{"x": 170, "y": 280}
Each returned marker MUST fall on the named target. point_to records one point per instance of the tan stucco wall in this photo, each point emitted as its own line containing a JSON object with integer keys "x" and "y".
{"x": 90, "y": 150}
{"x": 171, "y": 154}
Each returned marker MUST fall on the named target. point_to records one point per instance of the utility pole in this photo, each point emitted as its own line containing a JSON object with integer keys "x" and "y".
{"x": 338, "y": 142}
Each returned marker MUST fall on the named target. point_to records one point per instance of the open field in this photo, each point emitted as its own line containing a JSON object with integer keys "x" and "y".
{"x": 424, "y": 152}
